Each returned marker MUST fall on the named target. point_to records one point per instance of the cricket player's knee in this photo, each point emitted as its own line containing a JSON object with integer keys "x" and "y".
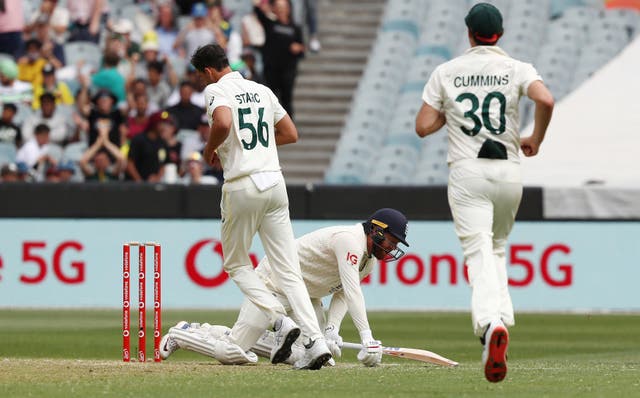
{"x": 236, "y": 267}
{"x": 476, "y": 242}
{"x": 499, "y": 246}
{"x": 215, "y": 331}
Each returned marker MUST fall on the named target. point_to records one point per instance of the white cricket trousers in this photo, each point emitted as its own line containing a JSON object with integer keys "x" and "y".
{"x": 484, "y": 196}
{"x": 245, "y": 211}
{"x": 252, "y": 322}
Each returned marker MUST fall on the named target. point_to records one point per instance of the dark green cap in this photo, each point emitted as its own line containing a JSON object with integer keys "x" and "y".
{"x": 485, "y": 22}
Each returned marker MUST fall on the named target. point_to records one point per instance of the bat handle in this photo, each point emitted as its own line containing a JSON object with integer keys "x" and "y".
{"x": 353, "y": 346}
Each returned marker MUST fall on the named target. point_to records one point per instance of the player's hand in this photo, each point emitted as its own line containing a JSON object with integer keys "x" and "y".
{"x": 371, "y": 353}
{"x": 529, "y": 146}
{"x": 334, "y": 341}
{"x": 296, "y": 48}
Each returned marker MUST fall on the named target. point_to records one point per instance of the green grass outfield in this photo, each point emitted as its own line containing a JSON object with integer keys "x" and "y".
{"x": 77, "y": 354}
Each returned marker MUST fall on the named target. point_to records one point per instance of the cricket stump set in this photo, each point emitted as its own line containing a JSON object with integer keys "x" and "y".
{"x": 142, "y": 308}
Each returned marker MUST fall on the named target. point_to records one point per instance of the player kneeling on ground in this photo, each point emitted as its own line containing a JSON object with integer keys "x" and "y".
{"x": 333, "y": 261}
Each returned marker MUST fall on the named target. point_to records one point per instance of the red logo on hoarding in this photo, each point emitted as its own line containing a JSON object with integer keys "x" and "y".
{"x": 194, "y": 271}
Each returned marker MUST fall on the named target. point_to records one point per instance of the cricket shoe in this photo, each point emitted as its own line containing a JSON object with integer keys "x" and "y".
{"x": 316, "y": 355}
{"x": 286, "y": 333}
{"x": 168, "y": 345}
{"x": 494, "y": 355}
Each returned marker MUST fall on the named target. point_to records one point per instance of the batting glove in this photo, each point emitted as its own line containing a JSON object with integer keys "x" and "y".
{"x": 371, "y": 352}
{"x": 334, "y": 341}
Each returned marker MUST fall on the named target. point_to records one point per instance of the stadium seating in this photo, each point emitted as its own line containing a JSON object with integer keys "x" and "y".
{"x": 88, "y": 52}
{"x": 7, "y": 153}
{"x": 184, "y": 134}
{"x": 74, "y": 151}
{"x": 24, "y": 111}
{"x": 55, "y": 151}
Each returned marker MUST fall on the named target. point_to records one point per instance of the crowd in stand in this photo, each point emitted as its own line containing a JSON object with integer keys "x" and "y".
{"x": 91, "y": 94}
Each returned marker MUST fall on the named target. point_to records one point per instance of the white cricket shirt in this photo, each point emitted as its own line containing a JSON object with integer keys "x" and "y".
{"x": 250, "y": 147}
{"x": 479, "y": 93}
{"x": 333, "y": 259}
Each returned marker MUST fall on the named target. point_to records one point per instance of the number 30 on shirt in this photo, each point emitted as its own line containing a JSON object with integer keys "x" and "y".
{"x": 486, "y": 120}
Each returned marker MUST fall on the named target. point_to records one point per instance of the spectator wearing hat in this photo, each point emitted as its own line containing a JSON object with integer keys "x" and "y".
{"x": 195, "y": 172}
{"x": 122, "y": 30}
{"x": 9, "y": 173}
{"x": 50, "y": 84}
{"x": 54, "y": 17}
{"x": 9, "y": 132}
{"x": 30, "y": 65}
{"x": 185, "y": 112}
{"x": 96, "y": 163}
{"x": 138, "y": 67}
{"x": 11, "y": 26}
{"x": 198, "y": 32}
{"x": 109, "y": 78}
{"x": 102, "y": 113}
{"x": 35, "y": 150}
{"x": 25, "y": 174}
{"x": 59, "y": 129}
{"x": 86, "y": 16}
{"x": 52, "y": 174}
{"x": 148, "y": 153}
{"x": 11, "y": 89}
{"x": 66, "y": 171}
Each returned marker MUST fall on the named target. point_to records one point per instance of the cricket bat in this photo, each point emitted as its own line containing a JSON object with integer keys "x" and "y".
{"x": 409, "y": 353}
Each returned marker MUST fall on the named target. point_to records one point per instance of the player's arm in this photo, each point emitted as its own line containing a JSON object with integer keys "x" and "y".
{"x": 219, "y": 131}
{"x": 429, "y": 120}
{"x": 337, "y": 310}
{"x": 543, "y": 99}
{"x": 286, "y": 132}
{"x": 348, "y": 263}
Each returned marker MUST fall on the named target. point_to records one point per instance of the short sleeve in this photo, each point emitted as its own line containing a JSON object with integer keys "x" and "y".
{"x": 526, "y": 74}
{"x": 214, "y": 97}
{"x": 432, "y": 93}
{"x": 278, "y": 110}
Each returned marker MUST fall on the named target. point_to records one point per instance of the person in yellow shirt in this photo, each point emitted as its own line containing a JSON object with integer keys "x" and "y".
{"x": 49, "y": 84}
{"x": 30, "y": 65}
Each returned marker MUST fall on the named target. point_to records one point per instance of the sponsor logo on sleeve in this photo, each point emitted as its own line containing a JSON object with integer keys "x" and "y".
{"x": 352, "y": 258}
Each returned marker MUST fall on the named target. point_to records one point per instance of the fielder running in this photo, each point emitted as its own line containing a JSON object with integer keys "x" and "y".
{"x": 333, "y": 261}
{"x": 476, "y": 95}
{"x": 247, "y": 123}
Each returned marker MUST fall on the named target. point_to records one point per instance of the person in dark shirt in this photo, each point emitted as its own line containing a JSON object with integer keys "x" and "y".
{"x": 281, "y": 51}
{"x": 105, "y": 113}
{"x": 96, "y": 163}
{"x": 9, "y": 131}
{"x": 148, "y": 152}
{"x": 184, "y": 112}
